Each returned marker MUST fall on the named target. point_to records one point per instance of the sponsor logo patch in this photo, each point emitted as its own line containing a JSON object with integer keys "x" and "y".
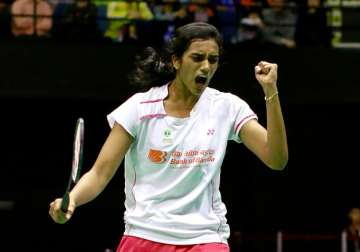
{"x": 157, "y": 156}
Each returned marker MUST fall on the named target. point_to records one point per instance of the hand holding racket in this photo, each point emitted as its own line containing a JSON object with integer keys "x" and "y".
{"x": 59, "y": 216}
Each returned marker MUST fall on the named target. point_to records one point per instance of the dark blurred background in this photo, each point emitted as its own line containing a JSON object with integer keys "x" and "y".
{"x": 48, "y": 81}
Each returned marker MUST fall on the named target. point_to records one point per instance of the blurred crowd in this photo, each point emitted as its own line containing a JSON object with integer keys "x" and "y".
{"x": 284, "y": 23}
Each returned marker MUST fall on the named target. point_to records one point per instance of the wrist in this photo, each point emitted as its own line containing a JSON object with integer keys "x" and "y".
{"x": 73, "y": 199}
{"x": 270, "y": 89}
{"x": 268, "y": 98}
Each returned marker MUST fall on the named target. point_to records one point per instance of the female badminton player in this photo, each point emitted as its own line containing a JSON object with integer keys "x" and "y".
{"x": 173, "y": 137}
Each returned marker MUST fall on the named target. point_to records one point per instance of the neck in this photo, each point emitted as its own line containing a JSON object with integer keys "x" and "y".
{"x": 180, "y": 95}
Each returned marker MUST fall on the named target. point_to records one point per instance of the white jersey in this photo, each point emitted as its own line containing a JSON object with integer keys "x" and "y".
{"x": 172, "y": 169}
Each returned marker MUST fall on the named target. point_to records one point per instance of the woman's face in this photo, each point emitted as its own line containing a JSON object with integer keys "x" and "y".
{"x": 197, "y": 65}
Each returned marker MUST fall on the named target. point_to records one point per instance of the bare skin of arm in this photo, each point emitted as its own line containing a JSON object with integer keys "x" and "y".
{"x": 95, "y": 180}
{"x": 270, "y": 143}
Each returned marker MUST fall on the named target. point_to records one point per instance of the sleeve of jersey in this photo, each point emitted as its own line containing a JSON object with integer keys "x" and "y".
{"x": 126, "y": 115}
{"x": 242, "y": 113}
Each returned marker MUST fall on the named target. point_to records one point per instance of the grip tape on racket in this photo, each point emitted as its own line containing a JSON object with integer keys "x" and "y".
{"x": 65, "y": 202}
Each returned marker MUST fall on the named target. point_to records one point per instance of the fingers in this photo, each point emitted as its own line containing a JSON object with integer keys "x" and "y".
{"x": 258, "y": 70}
{"x": 266, "y": 74}
{"x": 57, "y": 214}
{"x": 264, "y": 67}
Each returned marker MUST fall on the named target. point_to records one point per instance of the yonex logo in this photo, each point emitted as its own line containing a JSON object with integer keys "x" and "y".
{"x": 157, "y": 156}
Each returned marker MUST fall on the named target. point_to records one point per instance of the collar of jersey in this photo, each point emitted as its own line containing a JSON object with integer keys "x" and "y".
{"x": 195, "y": 110}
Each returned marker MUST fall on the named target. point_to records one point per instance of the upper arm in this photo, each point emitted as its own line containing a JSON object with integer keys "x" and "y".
{"x": 254, "y": 137}
{"x": 112, "y": 152}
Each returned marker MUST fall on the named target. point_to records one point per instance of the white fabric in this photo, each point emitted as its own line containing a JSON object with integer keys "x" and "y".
{"x": 172, "y": 169}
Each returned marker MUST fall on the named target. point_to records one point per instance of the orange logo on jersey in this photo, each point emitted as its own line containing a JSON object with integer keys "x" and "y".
{"x": 157, "y": 156}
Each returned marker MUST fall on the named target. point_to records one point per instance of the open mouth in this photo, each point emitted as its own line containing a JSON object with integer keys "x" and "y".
{"x": 201, "y": 79}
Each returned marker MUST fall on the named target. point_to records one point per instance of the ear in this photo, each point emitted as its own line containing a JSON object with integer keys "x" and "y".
{"x": 175, "y": 62}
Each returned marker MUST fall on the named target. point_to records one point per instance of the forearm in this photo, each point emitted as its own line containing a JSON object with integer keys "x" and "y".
{"x": 276, "y": 133}
{"x": 88, "y": 188}
{"x": 110, "y": 157}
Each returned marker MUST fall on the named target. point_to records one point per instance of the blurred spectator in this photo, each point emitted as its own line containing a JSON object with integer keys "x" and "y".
{"x": 247, "y": 3}
{"x": 182, "y": 15}
{"x": 79, "y": 22}
{"x": 132, "y": 21}
{"x": 54, "y": 3}
{"x": 226, "y": 18}
{"x": 169, "y": 15}
{"x": 201, "y": 12}
{"x": 139, "y": 10}
{"x": 164, "y": 15}
{"x": 169, "y": 33}
{"x": 353, "y": 230}
{"x": 141, "y": 16}
{"x": 5, "y": 20}
{"x": 279, "y": 21}
{"x": 58, "y": 16}
{"x": 251, "y": 27}
{"x": 28, "y": 14}
{"x": 311, "y": 26}
{"x": 245, "y": 7}
{"x": 179, "y": 14}
{"x": 164, "y": 11}
{"x": 117, "y": 12}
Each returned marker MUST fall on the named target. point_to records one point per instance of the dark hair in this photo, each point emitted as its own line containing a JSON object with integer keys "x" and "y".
{"x": 153, "y": 68}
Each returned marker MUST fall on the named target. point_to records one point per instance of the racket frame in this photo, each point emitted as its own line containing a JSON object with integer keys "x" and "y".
{"x": 79, "y": 129}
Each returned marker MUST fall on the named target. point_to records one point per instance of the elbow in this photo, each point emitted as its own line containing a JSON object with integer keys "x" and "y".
{"x": 279, "y": 166}
{"x": 279, "y": 163}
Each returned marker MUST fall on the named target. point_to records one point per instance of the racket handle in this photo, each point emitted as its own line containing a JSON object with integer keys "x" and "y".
{"x": 65, "y": 202}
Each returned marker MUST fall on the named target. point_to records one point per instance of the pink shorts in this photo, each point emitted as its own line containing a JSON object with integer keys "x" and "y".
{"x": 136, "y": 244}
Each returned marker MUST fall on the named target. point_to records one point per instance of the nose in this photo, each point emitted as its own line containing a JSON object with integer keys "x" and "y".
{"x": 205, "y": 66}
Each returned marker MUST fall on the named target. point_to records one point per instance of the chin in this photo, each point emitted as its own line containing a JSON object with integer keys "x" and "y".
{"x": 199, "y": 90}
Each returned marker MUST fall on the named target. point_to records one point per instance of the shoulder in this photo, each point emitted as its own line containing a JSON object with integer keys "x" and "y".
{"x": 225, "y": 98}
{"x": 153, "y": 95}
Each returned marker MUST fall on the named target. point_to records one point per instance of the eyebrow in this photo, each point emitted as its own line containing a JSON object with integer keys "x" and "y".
{"x": 201, "y": 54}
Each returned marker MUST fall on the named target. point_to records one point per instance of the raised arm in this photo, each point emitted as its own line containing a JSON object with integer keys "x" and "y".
{"x": 270, "y": 143}
{"x": 95, "y": 180}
